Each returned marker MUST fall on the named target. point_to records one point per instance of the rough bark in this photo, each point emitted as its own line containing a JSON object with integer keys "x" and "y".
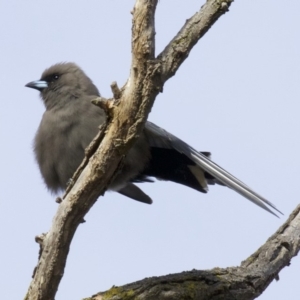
{"x": 245, "y": 282}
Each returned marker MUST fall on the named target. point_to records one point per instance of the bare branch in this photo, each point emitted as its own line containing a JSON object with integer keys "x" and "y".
{"x": 245, "y": 282}
{"x": 194, "y": 28}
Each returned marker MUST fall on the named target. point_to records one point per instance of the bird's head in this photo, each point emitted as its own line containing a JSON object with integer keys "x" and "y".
{"x": 61, "y": 83}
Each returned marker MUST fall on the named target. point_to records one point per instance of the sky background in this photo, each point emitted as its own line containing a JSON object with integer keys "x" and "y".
{"x": 237, "y": 95}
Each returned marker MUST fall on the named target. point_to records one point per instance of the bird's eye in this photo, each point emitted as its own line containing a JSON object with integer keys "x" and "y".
{"x": 55, "y": 77}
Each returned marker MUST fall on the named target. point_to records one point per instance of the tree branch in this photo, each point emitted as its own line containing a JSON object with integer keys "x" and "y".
{"x": 127, "y": 117}
{"x": 245, "y": 282}
{"x": 194, "y": 28}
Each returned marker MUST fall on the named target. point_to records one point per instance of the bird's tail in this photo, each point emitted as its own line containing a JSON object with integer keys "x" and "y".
{"x": 205, "y": 163}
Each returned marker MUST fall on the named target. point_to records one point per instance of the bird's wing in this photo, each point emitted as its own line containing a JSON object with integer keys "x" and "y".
{"x": 159, "y": 137}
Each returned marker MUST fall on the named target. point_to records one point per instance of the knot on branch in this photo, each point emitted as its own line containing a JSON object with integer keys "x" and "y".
{"x": 115, "y": 90}
{"x": 58, "y": 199}
{"x": 40, "y": 238}
{"x": 106, "y": 104}
{"x": 224, "y": 6}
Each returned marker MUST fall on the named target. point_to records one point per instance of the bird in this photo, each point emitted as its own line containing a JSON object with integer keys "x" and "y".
{"x": 71, "y": 121}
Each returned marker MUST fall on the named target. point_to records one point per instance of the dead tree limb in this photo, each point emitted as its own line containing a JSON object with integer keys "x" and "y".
{"x": 245, "y": 282}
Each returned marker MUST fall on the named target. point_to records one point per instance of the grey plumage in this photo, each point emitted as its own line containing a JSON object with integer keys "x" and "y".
{"x": 70, "y": 122}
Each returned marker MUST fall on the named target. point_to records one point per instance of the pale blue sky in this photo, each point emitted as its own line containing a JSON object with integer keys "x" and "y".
{"x": 237, "y": 95}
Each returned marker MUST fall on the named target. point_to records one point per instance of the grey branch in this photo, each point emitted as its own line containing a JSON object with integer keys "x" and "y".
{"x": 180, "y": 46}
{"x": 245, "y": 282}
{"x": 126, "y": 120}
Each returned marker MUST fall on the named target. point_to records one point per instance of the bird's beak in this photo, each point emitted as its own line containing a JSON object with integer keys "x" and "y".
{"x": 37, "y": 84}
